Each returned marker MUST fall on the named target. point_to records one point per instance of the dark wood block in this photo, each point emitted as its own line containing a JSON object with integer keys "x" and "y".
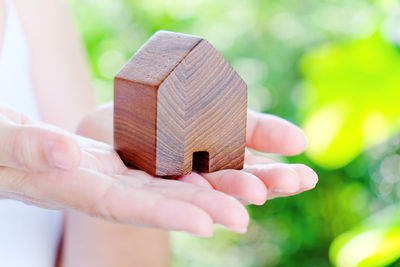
{"x": 179, "y": 105}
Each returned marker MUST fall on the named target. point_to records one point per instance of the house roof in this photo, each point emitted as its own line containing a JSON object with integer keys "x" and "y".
{"x": 158, "y": 57}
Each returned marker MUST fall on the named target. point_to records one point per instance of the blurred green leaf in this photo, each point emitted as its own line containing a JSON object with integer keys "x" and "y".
{"x": 352, "y": 93}
{"x": 366, "y": 247}
{"x": 376, "y": 242}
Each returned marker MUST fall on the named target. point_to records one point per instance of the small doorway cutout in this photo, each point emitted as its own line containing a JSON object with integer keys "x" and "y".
{"x": 201, "y": 161}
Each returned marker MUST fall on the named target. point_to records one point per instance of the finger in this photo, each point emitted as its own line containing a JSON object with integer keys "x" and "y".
{"x": 223, "y": 209}
{"x": 278, "y": 177}
{"x": 98, "y": 124}
{"x": 308, "y": 177}
{"x": 271, "y": 134}
{"x": 100, "y": 196}
{"x": 8, "y": 113}
{"x": 99, "y": 156}
{"x": 284, "y": 179}
{"x": 242, "y": 185}
{"x": 252, "y": 159}
{"x": 36, "y": 148}
{"x": 195, "y": 179}
{"x": 149, "y": 209}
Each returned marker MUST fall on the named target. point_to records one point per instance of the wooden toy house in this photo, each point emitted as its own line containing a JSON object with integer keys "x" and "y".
{"x": 178, "y": 106}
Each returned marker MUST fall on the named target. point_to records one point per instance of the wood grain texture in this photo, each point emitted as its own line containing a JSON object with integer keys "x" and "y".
{"x": 179, "y": 105}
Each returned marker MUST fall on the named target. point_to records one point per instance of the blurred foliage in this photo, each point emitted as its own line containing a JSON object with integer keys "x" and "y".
{"x": 331, "y": 66}
{"x": 355, "y": 94}
{"x": 374, "y": 243}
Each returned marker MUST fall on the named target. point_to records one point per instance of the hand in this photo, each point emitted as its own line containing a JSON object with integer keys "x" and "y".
{"x": 262, "y": 177}
{"x": 48, "y": 167}
{"x": 34, "y": 146}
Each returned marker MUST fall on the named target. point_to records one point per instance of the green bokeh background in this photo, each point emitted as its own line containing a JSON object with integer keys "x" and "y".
{"x": 332, "y": 67}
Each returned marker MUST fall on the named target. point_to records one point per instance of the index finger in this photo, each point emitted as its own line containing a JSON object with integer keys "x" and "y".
{"x": 36, "y": 147}
{"x": 271, "y": 134}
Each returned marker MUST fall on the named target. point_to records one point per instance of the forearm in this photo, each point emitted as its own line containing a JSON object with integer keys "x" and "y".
{"x": 58, "y": 64}
{"x": 94, "y": 242}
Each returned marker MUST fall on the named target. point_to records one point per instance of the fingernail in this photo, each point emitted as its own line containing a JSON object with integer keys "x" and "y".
{"x": 237, "y": 230}
{"x": 245, "y": 202}
{"x": 310, "y": 183}
{"x": 207, "y": 235}
{"x": 288, "y": 190}
{"x": 293, "y": 189}
{"x": 277, "y": 190}
{"x": 309, "y": 186}
{"x": 57, "y": 153}
{"x": 241, "y": 230}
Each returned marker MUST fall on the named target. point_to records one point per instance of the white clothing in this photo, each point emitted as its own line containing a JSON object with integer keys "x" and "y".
{"x": 29, "y": 235}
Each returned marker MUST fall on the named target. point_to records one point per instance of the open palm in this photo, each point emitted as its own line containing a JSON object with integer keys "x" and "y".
{"x": 198, "y": 203}
{"x": 99, "y": 184}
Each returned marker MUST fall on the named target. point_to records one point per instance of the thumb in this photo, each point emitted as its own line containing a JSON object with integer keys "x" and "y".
{"x": 36, "y": 148}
